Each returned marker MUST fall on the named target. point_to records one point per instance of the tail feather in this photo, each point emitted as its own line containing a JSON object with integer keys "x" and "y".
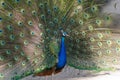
{"x": 30, "y": 36}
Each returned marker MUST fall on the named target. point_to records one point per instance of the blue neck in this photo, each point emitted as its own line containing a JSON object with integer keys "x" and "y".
{"x": 62, "y": 54}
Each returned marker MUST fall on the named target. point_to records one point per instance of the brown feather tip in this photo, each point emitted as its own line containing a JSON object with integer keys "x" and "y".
{"x": 48, "y": 72}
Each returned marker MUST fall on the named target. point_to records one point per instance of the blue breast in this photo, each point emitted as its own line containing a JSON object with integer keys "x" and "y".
{"x": 62, "y": 55}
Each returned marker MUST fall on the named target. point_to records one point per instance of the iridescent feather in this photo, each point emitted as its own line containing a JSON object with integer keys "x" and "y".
{"x": 30, "y": 34}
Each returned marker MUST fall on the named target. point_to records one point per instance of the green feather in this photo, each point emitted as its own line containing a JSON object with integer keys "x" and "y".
{"x": 30, "y": 32}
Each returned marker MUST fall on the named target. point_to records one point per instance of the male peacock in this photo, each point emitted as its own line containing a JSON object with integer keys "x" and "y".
{"x": 30, "y": 34}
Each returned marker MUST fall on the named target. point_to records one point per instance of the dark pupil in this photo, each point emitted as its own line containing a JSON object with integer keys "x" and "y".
{"x": 0, "y": 30}
{"x": 3, "y": 3}
{"x": 3, "y": 42}
{"x": 10, "y": 14}
{"x": 0, "y": 18}
{"x": 29, "y": 2}
{"x": 10, "y": 27}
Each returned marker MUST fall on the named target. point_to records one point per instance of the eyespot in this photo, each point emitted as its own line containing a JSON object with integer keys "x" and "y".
{"x": 42, "y": 16}
{"x": 100, "y": 35}
{"x": 72, "y": 21}
{"x": 1, "y": 58}
{"x": 26, "y": 42}
{"x": 81, "y": 22}
{"x": 1, "y": 75}
{"x": 9, "y": 64}
{"x": 20, "y": 23}
{"x": 49, "y": 11}
{"x": 8, "y": 51}
{"x": 80, "y": 1}
{"x": 17, "y": 47}
{"x": 98, "y": 22}
{"x": 22, "y": 53}
{"x": 16, "y": 58}
{"x": 100, "y": 44}
{"x": 23, "y": 63}
{"x": 22, "y": 11}
{"x": 55, "y": 8}
{"x": 22, "y": 34}
{"x": 34, "y": 12}
{"x": 55, "y": 20}
{"x": 29, "y": 2}
{"x": 32, "y": 33}
{"x": 2, "y": 42}
{"x": 109, "y": 42}
{"x": 10, "y": 15}
{"x": 3, "y": 4}
{"x": 1, "y": 19}
{"x": 90, "y": 27}
{"x": 1, "y": 32}
{"x": 41, "y": 5}
{"x": 94, "y": 8}
{"x": 17, "y": 1}
{"x": 86, "y": 16}
{"x": 12, "y": 37}
{"x": 30, "y": 23}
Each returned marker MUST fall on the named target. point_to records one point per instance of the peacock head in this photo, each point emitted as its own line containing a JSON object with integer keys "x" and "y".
{"x": 64, "y": 34}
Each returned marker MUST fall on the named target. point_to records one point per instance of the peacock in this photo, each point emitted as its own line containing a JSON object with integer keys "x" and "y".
{"x": 40, "y": 37}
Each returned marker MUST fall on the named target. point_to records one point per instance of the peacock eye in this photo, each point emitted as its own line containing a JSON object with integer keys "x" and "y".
{"x": 16, "y": 58}
{"x": 26, "y": 42}
{"x": 12, "y": 37}
{"x": 80, "y": 1}
{"x": 42, "y": 16}
{"x": 90, "y": 27}
{"x": 17, "y": 47}
{"x": 1, "y": 31}
{"x": 1, "y": 58}
{"x": 86, "y": 16}
{"x": 81, "y": 22}
{"x": 3, "y": 3}
{"x": 2, "y": 42}
{"x": 22, "y": 34}
{"x": 17, "y": 1}
{"x": 1, "y": 19}
{"x": 63, "y": 19}
{"x": 1, "y": 75}
{"x": 41, "y": 5}
{"x": 10, "y": 15}
{"x": 32, "y": 33}
{"x": 20, "y": 23}
{"x": 22, "y": 11}
{"x": 9, "y": 64}
{"x": 29, "y": 2}
{"x": 8, "y": 51}
{"x": 49, "y": 11}
{"x": 94, "y": 8}
{"x": 55, "y": 20}
{"x": 9, "y": 27}
{"x": 23, "y": 63}
{"x": 38, "y": 46}
{"x": 72, "y": 21}
{"x": 34, "y": 12}
{"x": 30, "y": 23}
{"x": 55, "y": 8}
{"x": 107, "y": 18}
{"x": 22, "y": 53}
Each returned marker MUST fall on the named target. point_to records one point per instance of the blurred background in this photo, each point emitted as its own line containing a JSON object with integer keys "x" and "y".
{"x": 70, "y": 73}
